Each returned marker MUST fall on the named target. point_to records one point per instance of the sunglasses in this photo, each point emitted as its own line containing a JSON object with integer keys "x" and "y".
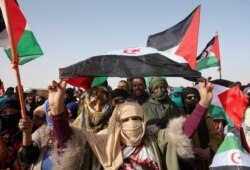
{"x": 192, "y": 98}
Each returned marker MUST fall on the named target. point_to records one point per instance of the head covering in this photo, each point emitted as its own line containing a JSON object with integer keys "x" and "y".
{"x": 89, "y": 119}
{"x": 10, "y": 103}
{"x": 156, "y": 81}
{"x": 175, "y": 95}
{"x": 30, "y": 91}
{"x": 107, "y": 146}
{"x": 190, "y": 105}
{"x": 119, "y": 93}
{"x": 70, "y": 91}
{"x": 9, "y": 121}
{"x": 9, "y": 91}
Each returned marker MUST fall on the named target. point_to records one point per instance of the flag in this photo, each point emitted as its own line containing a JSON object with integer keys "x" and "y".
{"x": 132, "y": 62}
{"x": 210, "y": 56}
{"x": 181, "y": 40}
{"x": 86, "y": 82}
{"x": 24, "y": 41}
{"x": 230, "y": 155}
{"x": 3, "y": 32}
{"x": 228, "y": 103}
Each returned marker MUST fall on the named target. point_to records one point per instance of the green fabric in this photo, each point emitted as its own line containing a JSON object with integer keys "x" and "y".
{"x": 218, "y": 113}
{"x": 28, "y": 48}
{"x": 158, "y": 113}
{"x": 98, "y": 81}
{"x": 156, "y": 81}
{"x": 211, "y": 61}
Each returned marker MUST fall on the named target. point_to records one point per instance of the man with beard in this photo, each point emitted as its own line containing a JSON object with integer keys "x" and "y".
{"x": 206, "y": 140}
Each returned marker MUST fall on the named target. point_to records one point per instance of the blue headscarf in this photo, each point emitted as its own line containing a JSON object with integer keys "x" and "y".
{"x": 175, "y": 95}
{"x": 47, "y": 118}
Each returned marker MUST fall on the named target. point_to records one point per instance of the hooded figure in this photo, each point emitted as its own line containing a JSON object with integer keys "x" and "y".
{"x": 10, "y": 133}
{"x": 95, "y": 109}
{"x": 89, "y": 118}
{"x": 159, "y": 108}
{"x": 207, "y": 139}
{"x": 190, "y": 97}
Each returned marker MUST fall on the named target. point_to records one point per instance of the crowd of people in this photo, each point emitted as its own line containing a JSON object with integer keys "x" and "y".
{"x": 133, "y": 126}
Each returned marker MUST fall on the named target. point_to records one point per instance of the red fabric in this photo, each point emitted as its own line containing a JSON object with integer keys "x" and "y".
{"x": 61, "y": 128}
{"x": 189, "y": 43}
{"x": 215, "y": 47}
{"x": 17, "y": 23}
{"x": 193, "y": 120}
{"x": 83, "y": 82}
{"x": 234, "y": 103}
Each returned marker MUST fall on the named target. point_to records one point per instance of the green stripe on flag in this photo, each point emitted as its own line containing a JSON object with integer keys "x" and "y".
{"x": 211, "y": 61}
{"x": 230, "y": 155}
{"x": 219, "y": 113}
{"x": 27, "y": 49}
{"x": 231, "y": 142}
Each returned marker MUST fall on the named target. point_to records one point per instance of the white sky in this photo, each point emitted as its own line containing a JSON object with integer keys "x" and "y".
{"x": 71, "y": 31}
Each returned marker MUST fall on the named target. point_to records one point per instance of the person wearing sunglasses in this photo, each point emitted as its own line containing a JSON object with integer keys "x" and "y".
{"x": 206, "y": 140}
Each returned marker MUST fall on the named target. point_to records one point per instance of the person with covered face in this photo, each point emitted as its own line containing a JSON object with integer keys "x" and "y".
{"x": 10, "y": 134}
{"x": 95, "y": 109}
{"x": 124, "y": 145}
{"x": 159, "y": 108}
{"x": 207, "y": 139}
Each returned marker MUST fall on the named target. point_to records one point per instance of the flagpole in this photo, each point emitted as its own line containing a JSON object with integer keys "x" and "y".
{"x": 216, "y": 34}
{"x": 15, "y": 62}
{"x": 220, "y": 71}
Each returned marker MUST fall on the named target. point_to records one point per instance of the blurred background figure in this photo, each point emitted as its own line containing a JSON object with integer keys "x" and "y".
{"x": 78, "y": 93}
{"x": 119, "y": 96}
{"x": 30, "y": 101}
{"x": 10, "y": 92}
{"x": 123, "y": 84}
{"x": 139, "y": 87}
{"x": 71, "y": 103}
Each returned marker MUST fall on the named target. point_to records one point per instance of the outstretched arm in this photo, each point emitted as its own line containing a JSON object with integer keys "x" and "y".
{"x": 192, "y": 122}
{"x": 57, "y": 111}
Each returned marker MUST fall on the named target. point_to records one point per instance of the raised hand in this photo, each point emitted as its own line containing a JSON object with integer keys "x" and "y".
{"x": 205, "y": 89}
{"x": 56, "y": 97}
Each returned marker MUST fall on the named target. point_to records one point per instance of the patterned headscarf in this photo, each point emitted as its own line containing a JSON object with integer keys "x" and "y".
{"x": 89, "y": 119}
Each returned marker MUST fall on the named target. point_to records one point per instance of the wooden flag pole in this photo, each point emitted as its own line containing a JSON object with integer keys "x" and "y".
{"x": 15, "y": 61}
